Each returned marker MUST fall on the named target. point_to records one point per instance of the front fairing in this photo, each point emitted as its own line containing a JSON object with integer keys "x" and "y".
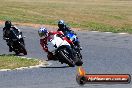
{"x": 72, "y": 36}
{"x": 56, "y": 42}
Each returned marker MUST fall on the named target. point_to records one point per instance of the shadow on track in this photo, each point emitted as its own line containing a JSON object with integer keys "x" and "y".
{"x": 7, "y": 55}
{"x": 10, "y": 55}
{"x": 56, "y": 67}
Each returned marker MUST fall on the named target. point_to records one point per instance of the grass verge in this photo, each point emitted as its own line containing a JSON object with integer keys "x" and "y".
{"x": 100, "y": 15}
{"x": 12, "y": 62}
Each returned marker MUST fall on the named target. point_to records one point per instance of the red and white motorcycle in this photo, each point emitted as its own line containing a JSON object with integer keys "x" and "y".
{"x": 62, "y": 51}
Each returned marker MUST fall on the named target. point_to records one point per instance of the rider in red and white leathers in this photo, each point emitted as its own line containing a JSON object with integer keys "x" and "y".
{"x": 46, "y": 36}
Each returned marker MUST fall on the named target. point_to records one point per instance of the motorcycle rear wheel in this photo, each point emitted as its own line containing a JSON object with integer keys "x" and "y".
{"x": 79, "y": 59}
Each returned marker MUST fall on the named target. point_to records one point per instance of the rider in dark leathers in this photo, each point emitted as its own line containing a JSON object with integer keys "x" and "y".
{"x": 7, "y": 35}
{"x": 65, "y": 29}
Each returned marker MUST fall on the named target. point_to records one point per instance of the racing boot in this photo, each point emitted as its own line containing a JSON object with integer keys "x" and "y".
{"x": 10, "y": 48}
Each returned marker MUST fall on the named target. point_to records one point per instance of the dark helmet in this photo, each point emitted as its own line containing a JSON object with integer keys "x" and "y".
{"x": 61, "y": 24}
{"x": 8, "y": 24}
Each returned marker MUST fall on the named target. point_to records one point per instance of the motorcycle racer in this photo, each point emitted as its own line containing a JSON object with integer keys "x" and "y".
{"x": 46, "y": 36}
{"x": 7, "y": 35}
{"x": 66, "y": 30}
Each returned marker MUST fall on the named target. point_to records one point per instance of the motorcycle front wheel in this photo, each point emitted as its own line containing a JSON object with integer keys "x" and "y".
{"x": 67, "y": 58}
{"x": 22, "y": 49}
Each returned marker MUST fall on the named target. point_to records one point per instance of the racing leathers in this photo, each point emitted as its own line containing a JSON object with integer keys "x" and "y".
{"x": 67, "y": 30}
{"x": 44, "y": 42}
{"x": 7, "y": 35}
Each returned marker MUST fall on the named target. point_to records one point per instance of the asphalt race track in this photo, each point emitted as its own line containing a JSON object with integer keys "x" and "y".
{"x": 102, "y": 53}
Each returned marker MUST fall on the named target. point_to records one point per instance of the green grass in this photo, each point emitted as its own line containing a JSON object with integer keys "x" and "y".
{"x": 100, "y": 15}
{"x": 12, "y": 62}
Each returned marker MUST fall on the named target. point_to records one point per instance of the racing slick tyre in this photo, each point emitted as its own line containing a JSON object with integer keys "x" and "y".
{"x": 66, "y": 58}
{"x": 22, "y": 49}
{"x": 79, "y": 62}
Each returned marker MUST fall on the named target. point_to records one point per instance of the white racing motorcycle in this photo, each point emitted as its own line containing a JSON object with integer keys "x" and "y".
{"x": 62, "y": 51}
